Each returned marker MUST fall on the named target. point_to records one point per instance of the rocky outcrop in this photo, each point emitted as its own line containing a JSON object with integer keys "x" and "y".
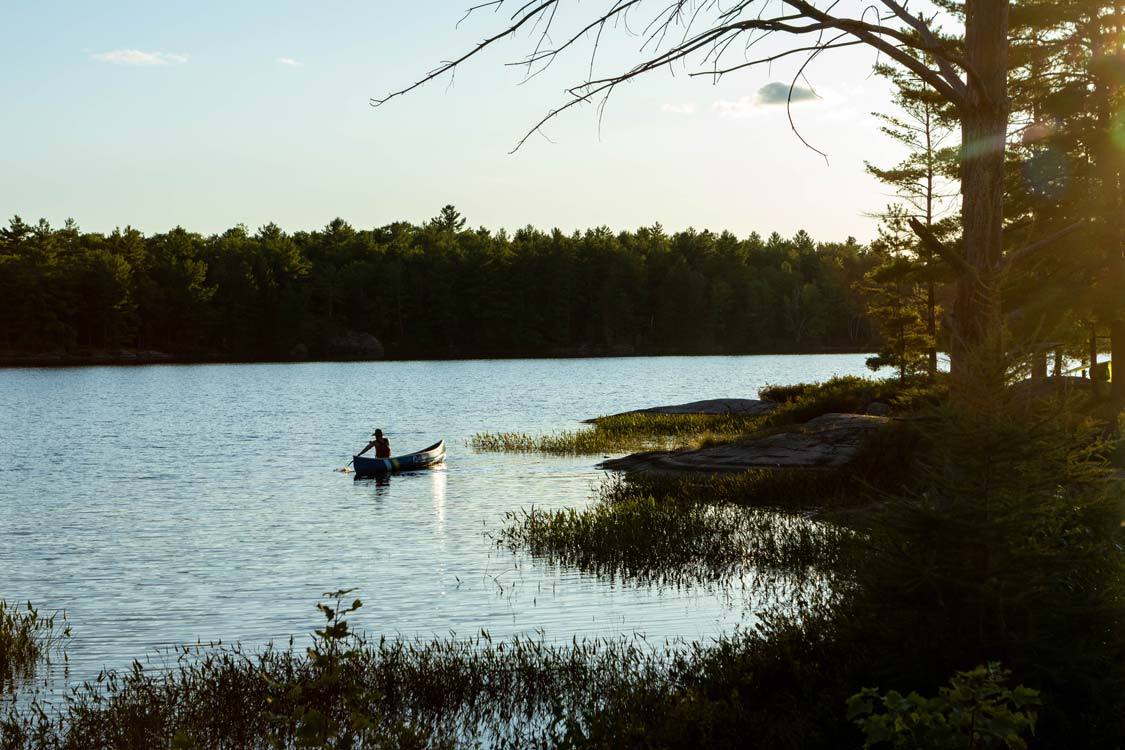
{"x": 750, "y": 407}
{"x": 826, "y": 442}
{"x": 355, "y": 345}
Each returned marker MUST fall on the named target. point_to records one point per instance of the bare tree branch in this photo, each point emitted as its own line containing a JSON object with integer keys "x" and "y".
{"x": 901, "y": 42}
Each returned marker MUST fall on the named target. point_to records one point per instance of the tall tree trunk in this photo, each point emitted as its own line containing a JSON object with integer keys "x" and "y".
{"x": 931, "y": 304}
{"x": 1117, "y": 360}
{"x": 931, "y": 328}
{"x": 1039, "y": 363}
{"x": 1094, "y": 352}
{"x": 977, "y": 351}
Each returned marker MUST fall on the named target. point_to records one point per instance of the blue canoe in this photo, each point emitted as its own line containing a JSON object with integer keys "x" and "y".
{"x": 369, "y": 467}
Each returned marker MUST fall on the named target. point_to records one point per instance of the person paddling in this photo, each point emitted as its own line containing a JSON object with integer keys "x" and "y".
{"x": 381, "y": 445}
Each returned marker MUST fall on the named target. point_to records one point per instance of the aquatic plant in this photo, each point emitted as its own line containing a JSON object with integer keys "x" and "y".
{"x": 668, "y": 541}
{"x": 28, "y": 638}
{"x": 623, "y": 433}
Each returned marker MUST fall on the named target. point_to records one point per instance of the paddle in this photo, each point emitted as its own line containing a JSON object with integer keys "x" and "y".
{"x": 349, "y": 463}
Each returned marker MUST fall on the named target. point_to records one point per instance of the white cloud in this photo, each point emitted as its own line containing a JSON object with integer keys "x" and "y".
{"x": 287, "y": 61}
{"x": 781, "y": 93}
{"x": 138, "y": 57}
{"x": 679, "y": 109}
{"x": 770, "y": 95}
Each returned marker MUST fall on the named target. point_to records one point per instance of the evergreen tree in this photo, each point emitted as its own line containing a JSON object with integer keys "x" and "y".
{"x": 905, "y": 287}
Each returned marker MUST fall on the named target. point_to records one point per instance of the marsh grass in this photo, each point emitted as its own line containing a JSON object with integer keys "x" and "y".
{"x": 664, "y": 537}
{"x": 669, "y": 543}
{"x": 382, "y": 693}
{"x": 27, "y": 639}
{"x": 624, "y": 433}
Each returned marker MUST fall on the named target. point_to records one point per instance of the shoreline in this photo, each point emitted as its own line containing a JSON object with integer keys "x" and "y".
{"x": 11, "y": 360}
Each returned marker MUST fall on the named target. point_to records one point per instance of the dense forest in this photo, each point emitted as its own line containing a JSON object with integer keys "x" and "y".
{"x": 436, "y": 290}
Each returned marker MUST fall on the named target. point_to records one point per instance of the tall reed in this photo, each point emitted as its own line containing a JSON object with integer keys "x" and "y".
{"x": 27, "y": 639}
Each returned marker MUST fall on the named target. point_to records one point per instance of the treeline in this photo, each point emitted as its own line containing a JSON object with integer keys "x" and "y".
{"x": 436, "y": 290}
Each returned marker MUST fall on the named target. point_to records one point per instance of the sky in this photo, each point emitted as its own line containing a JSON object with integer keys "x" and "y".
{"x": 209, "y": 114}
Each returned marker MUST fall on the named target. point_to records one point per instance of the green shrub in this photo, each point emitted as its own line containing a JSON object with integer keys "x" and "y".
{"x": 784, "y": 394}
{"x": 975, "y": 711}
{"x": 850, "y": 394}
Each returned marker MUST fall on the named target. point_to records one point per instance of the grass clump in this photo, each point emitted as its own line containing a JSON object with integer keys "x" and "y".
{"x": 674, "y": 542}
{"x": 624, "y": 433}
{"x": 28, "y": 638}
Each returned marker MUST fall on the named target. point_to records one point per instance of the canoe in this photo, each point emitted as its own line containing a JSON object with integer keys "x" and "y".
{"x": 366, "y": 466}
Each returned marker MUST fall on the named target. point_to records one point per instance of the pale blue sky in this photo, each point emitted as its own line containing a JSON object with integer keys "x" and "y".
{"x": 208, "y": 114}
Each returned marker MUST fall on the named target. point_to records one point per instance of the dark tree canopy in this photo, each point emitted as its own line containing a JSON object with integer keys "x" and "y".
{"x": 436, "y": 290}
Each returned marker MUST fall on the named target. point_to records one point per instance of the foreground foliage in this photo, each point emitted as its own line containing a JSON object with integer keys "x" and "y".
{"x": 977, "y": 710}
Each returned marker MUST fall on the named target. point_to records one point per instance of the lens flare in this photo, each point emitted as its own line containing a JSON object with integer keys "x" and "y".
{"x": 1117, "y": 129}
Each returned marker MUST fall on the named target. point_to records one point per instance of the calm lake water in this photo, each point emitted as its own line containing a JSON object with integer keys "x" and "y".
{"x": 170, "y": 504}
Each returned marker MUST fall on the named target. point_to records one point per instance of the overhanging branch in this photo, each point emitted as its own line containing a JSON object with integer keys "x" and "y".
{"x": 900, "y": 36}
{"x": 943, "y": 251}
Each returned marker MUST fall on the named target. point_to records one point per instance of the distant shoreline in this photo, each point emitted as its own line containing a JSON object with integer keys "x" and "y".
{"x": 52, "y": 360}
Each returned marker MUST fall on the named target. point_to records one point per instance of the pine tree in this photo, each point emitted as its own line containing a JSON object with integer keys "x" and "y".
{"x": 899, "y": 306}
{"x": 904, "y": 288}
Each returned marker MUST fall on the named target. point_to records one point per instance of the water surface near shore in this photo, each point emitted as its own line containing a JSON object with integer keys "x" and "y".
{"x": 168, "y": 504}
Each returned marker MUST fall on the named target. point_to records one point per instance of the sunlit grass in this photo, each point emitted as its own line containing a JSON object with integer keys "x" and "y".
{"x": 624, "y": 433}
{"x": 28, "y": 638}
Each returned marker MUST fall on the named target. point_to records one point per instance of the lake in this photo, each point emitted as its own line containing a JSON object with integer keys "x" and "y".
{"x": 169, "y": 504}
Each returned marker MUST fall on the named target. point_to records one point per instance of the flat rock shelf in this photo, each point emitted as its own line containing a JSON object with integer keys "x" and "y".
{"x": 826, "y": 442}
